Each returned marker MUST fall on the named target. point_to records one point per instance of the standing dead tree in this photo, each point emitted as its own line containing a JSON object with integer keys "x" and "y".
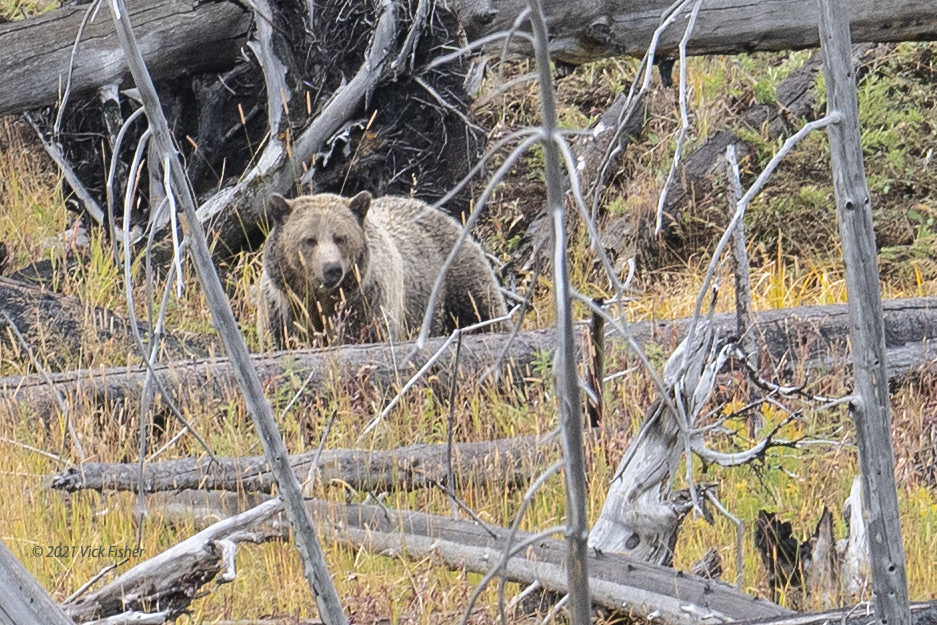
{"x": 314, "y": 567}
{"x": 871, "y": 405}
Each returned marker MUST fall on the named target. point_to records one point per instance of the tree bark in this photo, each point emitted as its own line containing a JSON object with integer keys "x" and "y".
{"x": 591, "y": 29}
{"x": 870, "y": 409}
{"x": 177, "y": 37}
{"x": 809, "y": 335}
{"x": 507, "y": 461}
{"x": 186, "y": 36}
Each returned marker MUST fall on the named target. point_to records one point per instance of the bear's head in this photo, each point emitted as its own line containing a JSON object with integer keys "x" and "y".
{"x": 321, "y": 240}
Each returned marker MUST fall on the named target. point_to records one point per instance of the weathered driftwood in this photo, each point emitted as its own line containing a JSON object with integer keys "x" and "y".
{"x": 59, "y": 328}
{"x": 922, "y": 613}
{"x": 169, "y": 581}
{"x": 584, "y": 31}
{"x": 617, "y": 582}
{"x": 178, "y": 37}
{"x": 25, "y": 601}
{"x": 854, "y": 549}
{"x": 641, "y": 515}
{"x": 791, "y": 337}
{"x": 505, "y": 461}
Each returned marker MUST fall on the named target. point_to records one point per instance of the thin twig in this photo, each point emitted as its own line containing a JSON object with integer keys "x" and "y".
{"x": 55, "y": 391}
{"x": 92, "y": 8}
{"x": 450, "y": 426}
{"x": 314, "y": 566}
{"x": 684, "y": 117}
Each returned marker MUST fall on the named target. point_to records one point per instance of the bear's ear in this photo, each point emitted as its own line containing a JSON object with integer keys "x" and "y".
{"x": 360, "y": 204}
{"x": 278, "y": 209}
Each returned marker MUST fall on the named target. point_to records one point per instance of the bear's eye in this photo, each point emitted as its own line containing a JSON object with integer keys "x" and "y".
{"x": 339, "y": 239}
{"x": 311, "y": 241}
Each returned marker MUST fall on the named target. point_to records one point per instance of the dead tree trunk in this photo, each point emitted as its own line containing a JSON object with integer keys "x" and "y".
{"x": 585, "y": 31}
{"x": 871, "y": 405}
{"x": 198, "y": 37}
{"x": 506, "y": 462}
{"x": 806, "y": 335}
{"x": 179, "y": 37}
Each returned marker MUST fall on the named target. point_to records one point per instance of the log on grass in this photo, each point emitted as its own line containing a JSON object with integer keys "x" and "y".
{"x": 505, "y": 461}
{"x": 177, "y": 36}
{"x": 617, "y": 582}
{"x": 169, "y": 581}
{"x": 809, "y": 337}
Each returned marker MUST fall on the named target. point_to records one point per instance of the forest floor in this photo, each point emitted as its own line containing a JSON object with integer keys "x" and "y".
{"x": 796, "y": 260}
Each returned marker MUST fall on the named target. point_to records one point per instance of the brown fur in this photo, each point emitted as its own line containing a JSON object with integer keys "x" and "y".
{"x": 363, "y": 269}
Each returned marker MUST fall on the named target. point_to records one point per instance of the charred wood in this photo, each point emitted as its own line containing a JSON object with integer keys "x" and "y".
{"x": 60, "y": 328}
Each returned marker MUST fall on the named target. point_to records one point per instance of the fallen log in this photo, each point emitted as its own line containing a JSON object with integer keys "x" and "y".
{"x": 618, "y": 583}
{"x": 505, "y": 461}
{"x": 25, "y": 601}
{"x": 804, "y": 336}
{"x": 922, "y": 613}
{"x": 586, "y": 31}
{"x": 60, "y": 329}
{"x": 173, "y": 578}
{"x": 182, "y": 36}
{"x": 177, "y": 37}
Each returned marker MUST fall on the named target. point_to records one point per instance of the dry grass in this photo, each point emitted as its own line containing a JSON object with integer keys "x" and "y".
{"x": 374, "y": 587}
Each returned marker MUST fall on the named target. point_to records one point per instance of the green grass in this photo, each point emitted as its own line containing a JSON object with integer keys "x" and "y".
{"x": 789, "y": 269}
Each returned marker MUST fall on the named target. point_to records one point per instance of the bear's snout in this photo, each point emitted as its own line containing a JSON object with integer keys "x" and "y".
{"x": 332, "y": 274}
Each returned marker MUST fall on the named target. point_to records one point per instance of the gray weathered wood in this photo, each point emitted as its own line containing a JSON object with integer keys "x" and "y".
{"x": 809, "y": 335}
{"x": 170, "y": 580}
{"x": 22, "y": 600}
{"x": 590, "y": 29}
{"x": 181, "y": 34}
{"x": 870, "y": 408}
{"x": 177, "y": 36}
{"x": 307, "y": 544}
{"x": 504, "y": 462}
{"x": 617, "y": 582}
{"x": 565, "y": 363}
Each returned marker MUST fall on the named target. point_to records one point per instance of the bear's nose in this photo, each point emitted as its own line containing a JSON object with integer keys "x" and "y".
{"x": 332, "y": 274}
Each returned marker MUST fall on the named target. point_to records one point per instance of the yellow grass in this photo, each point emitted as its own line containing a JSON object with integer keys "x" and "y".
{"x": 795, "y": 483}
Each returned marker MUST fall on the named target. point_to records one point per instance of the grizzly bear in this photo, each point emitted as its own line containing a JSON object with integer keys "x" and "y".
{"x": 362, "y": 269}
